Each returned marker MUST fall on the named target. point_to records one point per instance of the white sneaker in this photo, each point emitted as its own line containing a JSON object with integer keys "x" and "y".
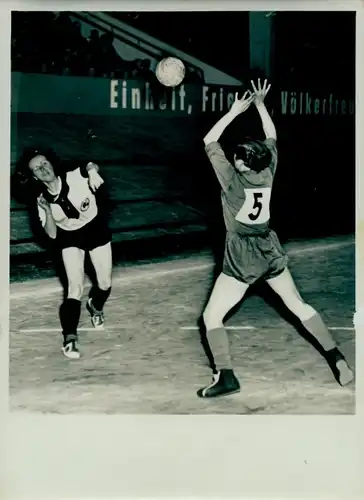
{"x": 97, "y": 317}
{"x": 70, "y": 350}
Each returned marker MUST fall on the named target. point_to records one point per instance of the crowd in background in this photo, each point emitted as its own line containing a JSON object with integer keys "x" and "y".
{"x": 51, "y": 42}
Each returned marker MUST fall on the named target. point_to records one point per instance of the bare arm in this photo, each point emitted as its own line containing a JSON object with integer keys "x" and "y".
{"x": 238, "y": 107}
{"x": 267, "y": 122}
{"x": 46, "y": 217}
{"x": 223, "y": 169}
{"x": 50, "y": 226}
{"x": 219, "y": 127}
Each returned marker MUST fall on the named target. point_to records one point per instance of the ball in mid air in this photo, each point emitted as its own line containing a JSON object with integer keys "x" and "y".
{"x": 170, "y": 71}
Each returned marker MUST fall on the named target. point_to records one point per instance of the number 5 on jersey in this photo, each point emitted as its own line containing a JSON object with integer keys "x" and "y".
{"x": 255, "y": 209}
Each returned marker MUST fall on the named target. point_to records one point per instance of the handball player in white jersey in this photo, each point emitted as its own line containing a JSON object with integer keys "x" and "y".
{"x": 252, "y": 249}
{"x": 75, "y": 219}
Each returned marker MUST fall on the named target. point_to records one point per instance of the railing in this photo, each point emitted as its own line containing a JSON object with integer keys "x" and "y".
{"x": 107, "y": 25}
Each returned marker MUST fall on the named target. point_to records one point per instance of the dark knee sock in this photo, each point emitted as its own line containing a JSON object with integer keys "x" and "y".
{"x": 99, "y": 297}
{"x": 218, "y": 342}
{"x": 334, "y": 357}
{"x": 69, "y": 313}
{"x": 319, "y": 330}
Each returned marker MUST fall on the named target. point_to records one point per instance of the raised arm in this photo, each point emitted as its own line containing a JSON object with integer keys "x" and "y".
{"x": 238, "y": 107}
{"x": 267, "y": 122}
{"x": 223, "y": 169}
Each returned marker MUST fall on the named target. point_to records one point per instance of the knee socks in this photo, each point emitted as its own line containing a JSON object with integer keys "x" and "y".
{"x": 218, "y": 343}
{"x": 319, "y": 330}
{"x": 69, "y": 313}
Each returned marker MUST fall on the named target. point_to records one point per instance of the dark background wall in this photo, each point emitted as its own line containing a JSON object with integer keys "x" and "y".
{"x": 316, "y": 51}
{"x": 217, "y": 38}
{"x": 313, "y": 55}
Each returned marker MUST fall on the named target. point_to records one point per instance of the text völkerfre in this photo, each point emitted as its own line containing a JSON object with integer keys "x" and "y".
{"x": 304, "y": 103}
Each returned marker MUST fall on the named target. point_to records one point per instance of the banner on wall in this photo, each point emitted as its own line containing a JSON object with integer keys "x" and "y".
{"x": 35, "y": 93}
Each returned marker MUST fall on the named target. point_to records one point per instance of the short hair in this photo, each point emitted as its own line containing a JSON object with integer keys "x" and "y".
{"x": 255, "y": 154}
{"x": 25, "y": 188}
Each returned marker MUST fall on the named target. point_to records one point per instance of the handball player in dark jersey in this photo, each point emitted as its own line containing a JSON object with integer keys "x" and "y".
{"x": 252, "y": 249}
{"x": 74, "y": 218}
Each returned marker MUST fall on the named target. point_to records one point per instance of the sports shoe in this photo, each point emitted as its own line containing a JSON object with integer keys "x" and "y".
{"x": 223, "y": 383}
{"x": 97, "y": 317}
{"x": 70, "y": 349}
{"x": 339, "y": 366}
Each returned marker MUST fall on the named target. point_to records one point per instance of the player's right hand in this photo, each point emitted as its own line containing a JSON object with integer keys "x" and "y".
{"x": 43, "y": 203}
{"x": 241, "y": 105}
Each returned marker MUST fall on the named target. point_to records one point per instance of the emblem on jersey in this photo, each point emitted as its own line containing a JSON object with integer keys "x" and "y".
{"x": 85, "y": 204}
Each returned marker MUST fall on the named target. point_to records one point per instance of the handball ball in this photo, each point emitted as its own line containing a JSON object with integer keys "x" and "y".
{"x": 170, "y": 71}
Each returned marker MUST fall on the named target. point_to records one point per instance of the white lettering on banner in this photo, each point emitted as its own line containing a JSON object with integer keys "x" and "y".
{"x": 255, "y": 209}
{"x": 182, "y": 95}
{"x": 135, "y": 98}
{"x": 220, "y": 99}
{"x": 149, "y": 103}
{"x": 293, "y": 103}
{"x": 307, "y": 104}
{"x": 317, "y": 106}
{"x": 173, "y": 101}
{"x": 210, "y": 99}
{"x": 114, "y": 84}
{"x": 204, "y": 97}
{"x": 124, "y": 96}
{"x": 213, "y": 99}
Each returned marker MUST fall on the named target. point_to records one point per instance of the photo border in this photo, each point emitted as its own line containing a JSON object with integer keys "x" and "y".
{"x": 179, "y": 456}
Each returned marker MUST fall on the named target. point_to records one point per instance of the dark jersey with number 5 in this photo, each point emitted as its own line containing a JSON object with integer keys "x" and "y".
{"x": 246, "y": 195}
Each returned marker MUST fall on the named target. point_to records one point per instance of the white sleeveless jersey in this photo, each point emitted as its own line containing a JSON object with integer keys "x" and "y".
{"x": 81, "y": 197}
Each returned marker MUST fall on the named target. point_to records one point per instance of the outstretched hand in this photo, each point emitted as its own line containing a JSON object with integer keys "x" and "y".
{"x": 241, "y": 105}
{"x": 260, "y": 92}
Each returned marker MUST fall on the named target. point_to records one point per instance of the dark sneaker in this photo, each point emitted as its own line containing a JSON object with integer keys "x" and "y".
{"x": 339, "y": 366}
{"x": 97, "y": 317}
{"x": 223, "y": 383}
{"x": 70, "y": 349}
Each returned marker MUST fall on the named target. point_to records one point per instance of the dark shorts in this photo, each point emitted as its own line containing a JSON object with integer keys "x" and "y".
{"x": 94, "y": 234}
{"x": 249, "y": 258}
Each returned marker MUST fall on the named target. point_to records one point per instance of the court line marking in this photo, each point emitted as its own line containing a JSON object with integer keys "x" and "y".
{"x": 349, "y": 328}
{"x": 131, "y": 275}
{"x": 186, "y": 328}
{"x": 56, "y": 330}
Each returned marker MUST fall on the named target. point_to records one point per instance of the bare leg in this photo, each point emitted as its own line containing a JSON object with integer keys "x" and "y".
{"x": 101, "y": 258}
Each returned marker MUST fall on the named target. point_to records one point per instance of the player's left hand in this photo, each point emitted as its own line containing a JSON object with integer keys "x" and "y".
{"x": 94, "y": 180}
